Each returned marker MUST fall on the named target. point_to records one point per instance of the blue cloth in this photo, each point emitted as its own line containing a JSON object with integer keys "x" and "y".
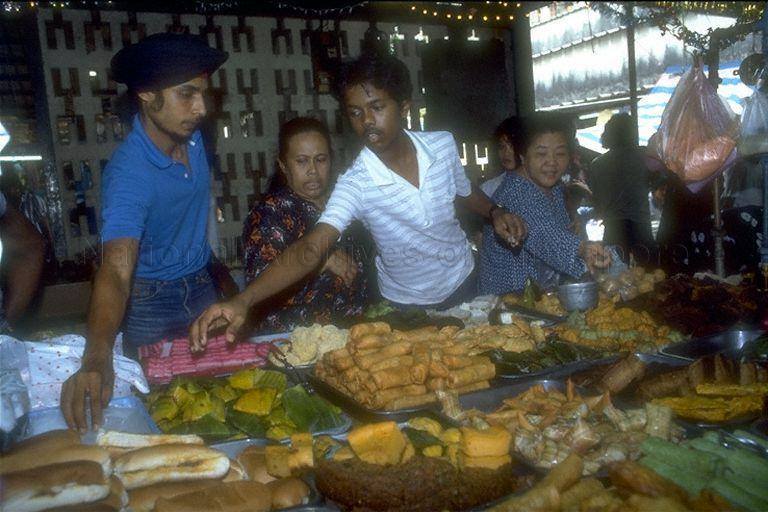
{"x": 148, "y": 196}
{"x": 551, "y": 247}
{"x": 165, "y": 309}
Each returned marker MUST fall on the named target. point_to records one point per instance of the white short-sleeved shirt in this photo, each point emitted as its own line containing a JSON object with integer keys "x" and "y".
{"x": 423, "y": 254}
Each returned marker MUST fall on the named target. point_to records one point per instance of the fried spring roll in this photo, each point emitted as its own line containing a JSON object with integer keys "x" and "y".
{"x": 436, "y": 384}
{"x": 477, "y": 386}
{"x": 415, "y": 334}
{"x": 392, "y": 362}
{"x": 419, "y": 373}
{"x": 369, "y": 341}
{"x": 400, "y": 348}
{"x": 452, "y": 361}
{"x": 339, "y": 353}
{"x": 344, "y": 363}
{"x": 386, "y": 396}
{"x": 458, "y": 349}
{"x": 438, "y": 369}
{"x": 392, "y": 378}
{"x": 369, "y": 328}
{"x": 471, "y": 374}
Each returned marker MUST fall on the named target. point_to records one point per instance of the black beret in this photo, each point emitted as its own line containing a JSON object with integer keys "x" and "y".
{"x": 164, "y": 60}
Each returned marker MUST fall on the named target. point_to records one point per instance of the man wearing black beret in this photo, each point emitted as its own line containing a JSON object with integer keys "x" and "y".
{"x": 153, "y": 280}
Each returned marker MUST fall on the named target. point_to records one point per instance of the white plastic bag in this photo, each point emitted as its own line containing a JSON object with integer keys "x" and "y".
{"x": 45, "y": 365}
{"x": 754, "y": 125}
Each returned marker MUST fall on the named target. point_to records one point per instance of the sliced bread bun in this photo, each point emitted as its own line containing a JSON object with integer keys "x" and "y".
{"x": 52, "y": 486}
{"x": 244, "y": 496}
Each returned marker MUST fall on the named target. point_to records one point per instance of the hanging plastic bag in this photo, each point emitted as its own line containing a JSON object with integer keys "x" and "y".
{"x": 754, "y": 125}
{"x": 698, "y": 130}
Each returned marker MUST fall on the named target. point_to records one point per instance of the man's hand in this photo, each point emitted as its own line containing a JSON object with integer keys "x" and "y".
{"x": 509, "y": 226}
{"x": 231, "y": 314}
{"x": 595, "y": 256}
{"x": 94, "y": 379}
{"x": 343, "y": 265}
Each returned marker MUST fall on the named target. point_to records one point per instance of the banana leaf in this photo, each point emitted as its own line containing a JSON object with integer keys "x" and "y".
{"x": 250, "y": 424}
{"x": 199, "y": 406}
{"x": 257, "y": 401}
{"x": 310, "y": 413}
{"x": 256, "y": 378}
{"x": 164, "y": 408}
{"x": 207, "y": 427}
{"x": 421, "y": 438}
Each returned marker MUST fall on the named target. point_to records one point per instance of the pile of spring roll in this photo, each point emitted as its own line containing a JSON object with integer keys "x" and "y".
{"x": 384, "y": 369}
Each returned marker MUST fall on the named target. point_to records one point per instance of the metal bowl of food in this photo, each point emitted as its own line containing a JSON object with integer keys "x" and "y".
{"x": 578, "y": 296}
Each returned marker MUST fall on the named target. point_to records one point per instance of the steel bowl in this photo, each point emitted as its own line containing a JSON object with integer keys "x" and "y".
{"x": 578, "y": 296}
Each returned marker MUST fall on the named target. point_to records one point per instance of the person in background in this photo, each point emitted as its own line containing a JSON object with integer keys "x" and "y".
{"x": 402, "y": 186}
{"x": 153, "y": 279}
{"x": 619, "y": 180}
{"x": 537, "y": 193}
{"x": 506, "y": 138}
{"x": 22, "y": 264}
{"x": 300, "y": 190}
{"x": 32, "y": 206}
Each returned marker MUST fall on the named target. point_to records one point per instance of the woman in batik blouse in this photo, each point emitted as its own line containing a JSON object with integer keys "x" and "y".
{"x": 289, "y": 209}
{"x": 535, "y": 192}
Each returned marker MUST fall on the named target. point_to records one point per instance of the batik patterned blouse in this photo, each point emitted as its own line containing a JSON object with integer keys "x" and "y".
{"x": 550, "y": 249}
{"x": 274, "y": 223}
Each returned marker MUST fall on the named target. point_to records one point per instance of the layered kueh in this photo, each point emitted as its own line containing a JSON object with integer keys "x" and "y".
{"x": 164, "y": 60}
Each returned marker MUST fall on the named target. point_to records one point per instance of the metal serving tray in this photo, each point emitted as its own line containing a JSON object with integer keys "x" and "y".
{"x": 362, "y": 413}
{"x": 232, "y": 450}
{"x": 554, "y": 372}
{"x": 488, "y": 400}
{"x": 727, "y": 343}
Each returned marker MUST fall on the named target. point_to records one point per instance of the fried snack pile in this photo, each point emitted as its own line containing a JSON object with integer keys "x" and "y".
{"x": 390, "y": 370}
{"x": 717, "y": 403}
{"x": 308, "y": 344}
{"x": 610, "y": 327}
{"x": 632, "y": 488}
{"x": 549, "y": 425}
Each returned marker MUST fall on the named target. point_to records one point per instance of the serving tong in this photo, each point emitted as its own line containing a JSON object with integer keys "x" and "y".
{"x": 296, "y": 374}
{"x": 730, "y": 440}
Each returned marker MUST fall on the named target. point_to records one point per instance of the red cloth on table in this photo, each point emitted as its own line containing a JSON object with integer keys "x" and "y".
{"x": 167, "y": 359}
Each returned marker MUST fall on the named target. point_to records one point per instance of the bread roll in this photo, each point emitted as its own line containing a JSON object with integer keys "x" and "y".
{"x": 288, "y": 492}
{"x": 143, "y": 499}
{"x": 52, "y": 440}
{"x": 245, "y": 496}
{"x": 57, "y": 485}
{"x": 116, "y": 501}
{"x": 26, "y": 459}
{"x": 170, "y": 463}
{"x": 125, "y": 440}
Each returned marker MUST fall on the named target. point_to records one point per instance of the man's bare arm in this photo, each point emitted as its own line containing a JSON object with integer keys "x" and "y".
{"x": 111, "y": 290}
{"x": 298, "y": 260}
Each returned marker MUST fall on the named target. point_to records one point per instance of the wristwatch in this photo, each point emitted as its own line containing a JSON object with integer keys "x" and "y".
{"x": 495, "y": 207}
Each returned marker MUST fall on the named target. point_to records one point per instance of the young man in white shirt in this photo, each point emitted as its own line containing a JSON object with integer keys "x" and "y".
{"x": 402, "y": 187}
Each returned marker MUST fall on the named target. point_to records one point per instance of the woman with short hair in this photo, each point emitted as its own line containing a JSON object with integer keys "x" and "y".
{"x": 536, "y": 192}
{"x": 291, "y": 207}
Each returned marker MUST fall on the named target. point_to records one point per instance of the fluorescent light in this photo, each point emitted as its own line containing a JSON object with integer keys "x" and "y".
{"x": 91, "y": 73}
{"x": 20, "y": 158}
